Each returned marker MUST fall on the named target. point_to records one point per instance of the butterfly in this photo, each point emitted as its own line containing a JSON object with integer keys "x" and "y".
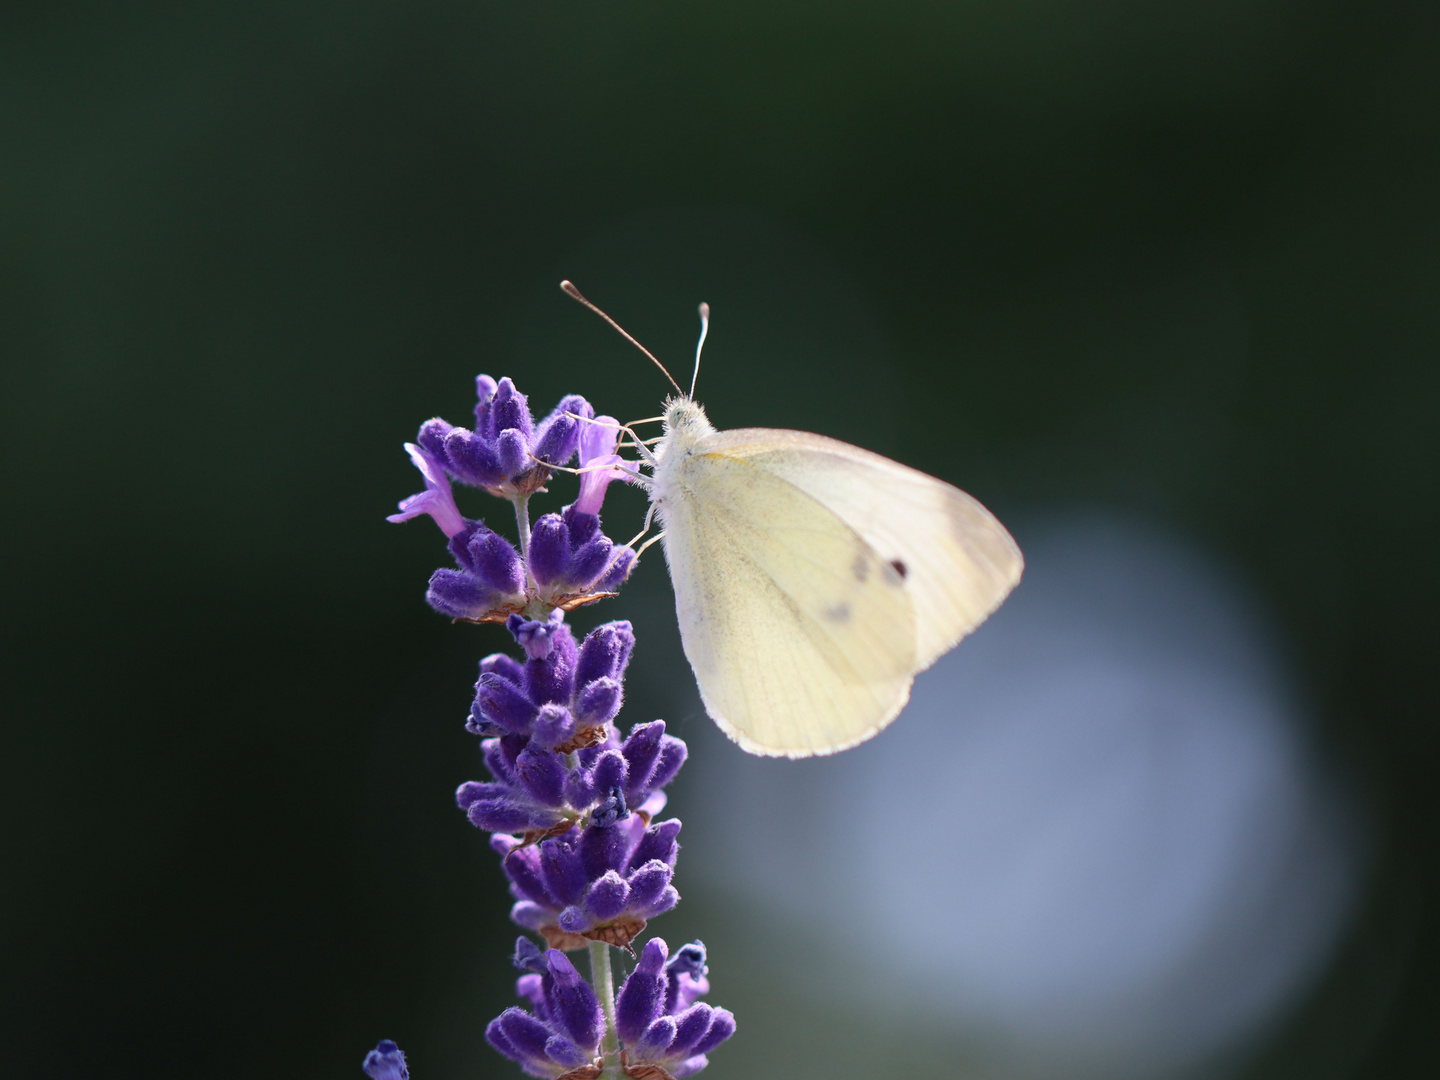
{"x": 813, "y": 579}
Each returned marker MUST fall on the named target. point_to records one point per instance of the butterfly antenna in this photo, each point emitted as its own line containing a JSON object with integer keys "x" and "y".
{"x": 704, "y": 329}
{"x": 568, "y": 287}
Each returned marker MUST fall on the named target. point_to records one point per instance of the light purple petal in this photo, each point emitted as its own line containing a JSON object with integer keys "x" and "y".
{"x": 598, "y": 439}
{"x": 437, "y": 500}
{"x": 593, "y": 484}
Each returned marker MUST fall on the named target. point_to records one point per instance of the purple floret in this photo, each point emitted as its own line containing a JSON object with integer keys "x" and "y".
{"x": 534, "y": 789}
{"x": 506, "y": 453}
{"x": 598, "y": 883}
{"x": 571, "y": 556}
{"x": 657, "y": 1014}
{"x": 564, "y": 1029}
{"x": 582, "y": 685}
{"x": 491, "y": 577}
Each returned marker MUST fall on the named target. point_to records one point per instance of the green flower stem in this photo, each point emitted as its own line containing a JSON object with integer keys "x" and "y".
{"x": 536, "y": 609}
{"x": 522, "y": 522}
{"x": 604, "y": 983}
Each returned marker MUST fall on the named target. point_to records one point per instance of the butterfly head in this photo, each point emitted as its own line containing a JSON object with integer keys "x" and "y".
{"x": 686, "y": 416}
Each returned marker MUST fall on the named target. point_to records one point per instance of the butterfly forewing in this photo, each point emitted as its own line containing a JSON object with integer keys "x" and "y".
{"x": 802, "y": 637}
{"x": 957, "y": 560}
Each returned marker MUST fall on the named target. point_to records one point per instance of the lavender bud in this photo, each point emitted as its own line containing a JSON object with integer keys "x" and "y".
{"x": 500, "y": 701}
{"x": 527, "y": 1034}
{"x": 542, "y": 773}
{"x": 470, "y": 792}
{"x": 553, "y": 725}
{"x": 659, "y": 843}
{"x": 648, "y": 884}
{"x": 642, "y": 749}
{"x": 564, "y": 1052}
{"x": 691, "y": 1026}
{"x": 722, "y": 1026}
{"x": 563, "y": 869}
{"x": 386, "y": 1062}
{"x": 503, "y": 665}
{"x": 573, "y": 1003}
{"x": 651, "y": 1045}
{"x": 526, "y": 872}
{"x": 559, "y": 434}
{"x": 672, "y": 755}
{"x": 605, "y": 652}
{"x": 642, "y": 997}
{"x": 431, "y": 437}
{"x": 603, "y": 849}
{"x": 484, "y": 388}
{"x": 610, "y": 774}
{"x": 504, "y": 410}
{"x": 598, "y": 702}
{"x": 528, "y": 957}
{"x": 616, "y": 573}
{"x": 503, "y": 815}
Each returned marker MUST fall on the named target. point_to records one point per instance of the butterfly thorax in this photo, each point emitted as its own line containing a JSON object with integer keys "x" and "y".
{"x": 686, "y": 426}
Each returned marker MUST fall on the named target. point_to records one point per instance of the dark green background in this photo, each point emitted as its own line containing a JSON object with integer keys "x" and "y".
{"x": 1180, "y": 260}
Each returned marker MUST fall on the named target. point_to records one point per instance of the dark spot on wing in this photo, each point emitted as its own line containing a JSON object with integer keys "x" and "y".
{"x": 838, "y": 613}
{"x": 900, "y": 568}
{"x": 861, "y": 566}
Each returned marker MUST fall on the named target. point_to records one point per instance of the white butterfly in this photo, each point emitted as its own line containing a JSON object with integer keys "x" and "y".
{"x": 812, "y": 579}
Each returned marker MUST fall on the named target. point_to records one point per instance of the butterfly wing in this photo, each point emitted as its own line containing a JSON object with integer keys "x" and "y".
{"x": 801, "y": 636}
{"x": 957, "y": 560}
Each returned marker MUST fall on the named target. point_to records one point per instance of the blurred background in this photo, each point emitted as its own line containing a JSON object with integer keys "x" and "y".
{"x": 1155, "y": 282}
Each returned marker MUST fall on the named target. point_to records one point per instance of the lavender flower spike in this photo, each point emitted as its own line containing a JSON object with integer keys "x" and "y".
{"x": 437, "y": 499}
{"x": 571, "y": 801}
{"x": 386, "y": 1062}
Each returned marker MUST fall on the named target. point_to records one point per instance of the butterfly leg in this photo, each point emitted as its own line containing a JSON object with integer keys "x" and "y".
{"x": 580, "y": 471}
{"x": 635, "y": 440}
{"x": 654, "y": 539}
{"x": 649, "y": 519}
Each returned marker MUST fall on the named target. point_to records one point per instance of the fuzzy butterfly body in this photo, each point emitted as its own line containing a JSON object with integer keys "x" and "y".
{"x": 813, "y": 579}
